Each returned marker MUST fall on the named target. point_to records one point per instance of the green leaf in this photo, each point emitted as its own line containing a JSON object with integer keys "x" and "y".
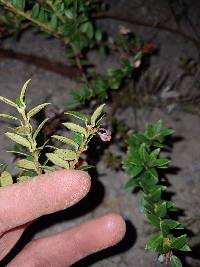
{"x": 26, "y": 164}
{"x": 66, "y": 154}
{"x": 143, "y": 153}
{"x": 154, "y": 154}
{"x": 35, "y": 11}
{"x": 135, "y": 170}
{"x": 185, "y": 248}
{"x": 164, "y": 228}
{"x": 21, "y": 4}
{"x": 153, "y": 219}
{"x": 54, "y": 22}
{"x": 77, "y": 138}
{"x": 66, "y": 140}
{"x": 23, "y": 91}
{"x": 162, "y": 163}
{"x": 155, "y": 195}
{"x": 5, "y": 179}
{"x": 161, "y": 209}
{"x": 55, "y": 159}
{"x": 7, "y": 101}
{"x": 77, "y": 115}
{"x": 8, "y": 117}
{"x": 37, "y": 109}
{"x": 179, "y": 242}
{"x": 134, "y": 158}
{"x": 85, "y": 167}
{"x": 22, "y": 179}
{"x": 98, "y": 35}
{"x": 17, "y": 152}
{"x": 18, "y": 139}
{"x": 88, "y": 29}
{"x": 96, "y": 114}
{"x": 21, "y": 130}
{"x": 75, "y": 128}
{"x": 155, "y": 242}
{"x": 153, "y": 172}
{"x": 166, "y": 132}
{"x": 175, "y": 262}
{"x": 172, "y": 224}
{"x": 43, "y": 17}
{"x": 131, "y": 183}
{"x": 158, "y": 126}
{"x": 69, "y": 14}
{"x": 141, "y": 201}
{"x": 39, "y": 128}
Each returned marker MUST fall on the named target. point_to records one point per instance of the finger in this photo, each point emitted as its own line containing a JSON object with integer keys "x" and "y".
{"x": 9, "y": 239}
{"x": 24, "y": 202}
{"x": 66, "y": 248}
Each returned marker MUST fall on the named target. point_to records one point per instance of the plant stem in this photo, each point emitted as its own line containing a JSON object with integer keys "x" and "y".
{"x": 33, "y": 150}
{"x": 83, "y": 146}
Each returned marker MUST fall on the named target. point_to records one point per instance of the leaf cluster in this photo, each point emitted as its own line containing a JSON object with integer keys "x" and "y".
{"x": 100, "y": 85}
{"x": 31, "y": 162}
{"x": 68, "y": 20}
{"x": 142, "y": 166}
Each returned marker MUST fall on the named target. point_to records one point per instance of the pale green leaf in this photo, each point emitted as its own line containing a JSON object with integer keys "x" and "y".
{"x": 96, "y": 114}
{"x": 18, "y": 139}
{"x": 54, "y": 22}
{"x": 77, "y": 115}
{"x": 75, "y": 127}
{"x": 39, "y": 128}
{"x": 18, "y": 152}
{"x": 66, "y": 140}
{"x": 7, "y": 101}
{"x": 23, "y": 91}
{"x": 22, "y": 179}
{"x": 8, "y": 117}
{"x": 6, "y": 179}
{"x": 55, "y": 159}
{"x": 175, "y": 262}
{"x": 85, "y": 167}
{"x": 66, "y": 154}
{"x": 37, "y": 109}
{"x": 21, "y": 130}
{"x": 26, "y": 164}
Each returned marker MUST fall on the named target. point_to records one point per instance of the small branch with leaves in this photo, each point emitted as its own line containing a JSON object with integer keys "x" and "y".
{"x": 32, "y": 163}
{"x": 142, "y": 166}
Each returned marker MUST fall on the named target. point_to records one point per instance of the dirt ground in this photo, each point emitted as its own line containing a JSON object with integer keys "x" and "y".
{"x": 107, "y": 193}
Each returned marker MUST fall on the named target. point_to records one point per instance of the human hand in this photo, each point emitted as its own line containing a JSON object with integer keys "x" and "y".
{"x": 22, "y": 203}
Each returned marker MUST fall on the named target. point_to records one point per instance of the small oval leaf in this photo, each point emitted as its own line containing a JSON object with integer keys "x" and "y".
{"x": 75, "y": 128}
{"x": 7, "y": 101}
{"x": 6, "y": 179}
{"x": 37, "y": 109}
{"x": 8, "y": 117}
{"x": 23, "y": 91}
{"x": 77, "y": 115}
{"x": 66, "y": 140}
{"x": 22, "y": 179}
{"x": 26, "y": 164}
{"x": 39, "y": 128}
{"x": 175, "y": 262}
{"x": 18, "y": 139}
{"x": 55, "y": 159}
{"x": 96, "y": 114}
{"x": 66, "y": 154}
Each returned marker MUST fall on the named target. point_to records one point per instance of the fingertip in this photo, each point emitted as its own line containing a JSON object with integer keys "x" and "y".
{"x": 80, "y": 182}
{"x": 115, "y": 228}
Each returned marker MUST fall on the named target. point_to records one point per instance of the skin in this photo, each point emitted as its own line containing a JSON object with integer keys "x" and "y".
{"x": 44, "y": 195}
